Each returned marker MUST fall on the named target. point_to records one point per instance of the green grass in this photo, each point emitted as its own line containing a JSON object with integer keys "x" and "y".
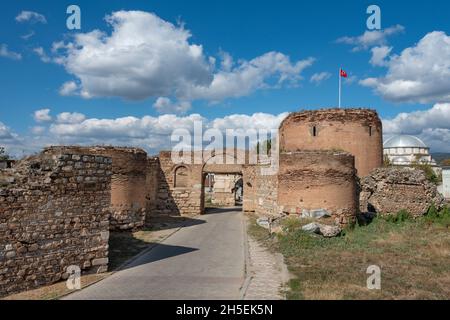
{"x": 414, "y": 256}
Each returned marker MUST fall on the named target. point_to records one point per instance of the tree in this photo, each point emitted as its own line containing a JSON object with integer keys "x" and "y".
{"x": 3, "y": 154}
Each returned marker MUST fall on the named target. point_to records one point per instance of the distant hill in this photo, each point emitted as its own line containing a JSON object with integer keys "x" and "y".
{"x": 440, "y": 156}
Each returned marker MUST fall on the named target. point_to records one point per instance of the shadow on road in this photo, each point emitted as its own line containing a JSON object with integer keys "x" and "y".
{"x": 124, "y": 245}
{"x": 159, "y": 252}
{"x": 163, "y": 222}
{"x": 222, "y": 210}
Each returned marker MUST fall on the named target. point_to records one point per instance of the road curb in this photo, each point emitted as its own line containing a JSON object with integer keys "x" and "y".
{"x": 247, "y": 272}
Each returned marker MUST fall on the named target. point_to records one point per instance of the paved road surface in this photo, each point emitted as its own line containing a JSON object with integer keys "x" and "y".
{"x": 202, "y": 261}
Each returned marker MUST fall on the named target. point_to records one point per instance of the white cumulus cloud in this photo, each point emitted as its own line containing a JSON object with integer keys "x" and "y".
{"x": 419, "y": 74}
{"x": 31, "y": 16}
{"x": 6, "y": 53}
{"x": 379, "y": 55}
{"x": 42, "y": 55}
{"x": 431, "y": 125}
{"x": 255, "y": 121}
{"x": 152, "y": 133}
{"x": 5, "y": 132}
{"x": 371, "y": 38}
{"x": 318, "y": 78}
{"x": 68, "y": 88}
{"x": 165, "y": 105}
{"x": 145, "y": 56}
{"x": 42, "y": 115}
{"x": 248, "y": 77}
{"x": 38, "y": 130}
{"x": 70, "y": 117}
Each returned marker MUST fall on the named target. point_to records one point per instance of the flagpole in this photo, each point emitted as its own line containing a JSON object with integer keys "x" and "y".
{"x": 340, "y": 87}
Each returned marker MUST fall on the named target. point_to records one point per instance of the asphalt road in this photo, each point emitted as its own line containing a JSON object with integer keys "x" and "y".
{"x": 203, "y": 261}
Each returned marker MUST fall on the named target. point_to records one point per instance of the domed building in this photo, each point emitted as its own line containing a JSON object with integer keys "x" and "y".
{"x": 405, "y": 150}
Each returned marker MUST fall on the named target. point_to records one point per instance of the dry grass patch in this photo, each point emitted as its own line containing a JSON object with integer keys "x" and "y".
{"x": 56, "y": 290}
{"x": 413, "y": 256}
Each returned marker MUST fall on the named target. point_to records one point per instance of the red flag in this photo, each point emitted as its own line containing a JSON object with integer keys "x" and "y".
{"x": 343, "y": 74}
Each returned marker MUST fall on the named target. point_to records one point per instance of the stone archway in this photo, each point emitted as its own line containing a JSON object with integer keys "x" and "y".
{"x": 220, "y": 173}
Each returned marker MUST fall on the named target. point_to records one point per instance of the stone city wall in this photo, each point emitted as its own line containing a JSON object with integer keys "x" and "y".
{"x": 151, "y": 186}
{"x": 266, "y": 196}
{"x": 128, "y": 192}
{"x": 54, "y": 213}
{"x": 185, "y": 199}
{"x": 249, "y": 173}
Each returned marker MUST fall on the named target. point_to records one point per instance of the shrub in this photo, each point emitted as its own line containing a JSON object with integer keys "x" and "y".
{"x": 429, "y": 172}
{"x": 401, "y": 216}
{"x": 386, "y": 161}
{"x": 438, "y": 217}
{"x": 3, "y": 154}
{"x": 432, "y": 212}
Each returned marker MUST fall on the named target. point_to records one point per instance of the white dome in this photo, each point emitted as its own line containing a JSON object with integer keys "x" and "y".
{"x": 403, "y": 141}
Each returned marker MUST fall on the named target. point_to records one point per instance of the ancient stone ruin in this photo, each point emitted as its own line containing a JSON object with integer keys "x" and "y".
{"x": 53, "y": 214}
{"x": 389, "y": 190}
{"x": 128, "y": 181}
{"x": 58, "y": 207}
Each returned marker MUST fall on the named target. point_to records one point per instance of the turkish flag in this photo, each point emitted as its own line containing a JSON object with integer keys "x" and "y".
{"x": 343, "y": 74}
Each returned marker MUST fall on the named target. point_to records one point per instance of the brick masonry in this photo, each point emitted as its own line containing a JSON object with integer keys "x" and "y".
{"x": 357, "y": 131}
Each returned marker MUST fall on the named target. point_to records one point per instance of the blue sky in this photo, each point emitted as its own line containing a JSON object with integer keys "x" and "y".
{"x": 277, "y": 49}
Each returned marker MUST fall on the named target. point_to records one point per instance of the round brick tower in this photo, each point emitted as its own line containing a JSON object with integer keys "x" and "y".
{"x": 316, "y": 180}
{"x": 357, "y": 131}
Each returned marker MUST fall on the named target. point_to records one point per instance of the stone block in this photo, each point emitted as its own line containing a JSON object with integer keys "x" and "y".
{"x": 100, "y": 261}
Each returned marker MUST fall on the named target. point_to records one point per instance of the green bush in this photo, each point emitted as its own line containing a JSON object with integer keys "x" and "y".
{"x": 441, "y": 217}
{"x": 432, "y": 212}
{"x": 401, "y": 216}
{"x": 3, "y": 154}
{"x": 429, "y": 173}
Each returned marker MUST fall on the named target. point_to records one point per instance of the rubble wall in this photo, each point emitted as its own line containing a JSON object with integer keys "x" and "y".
{"x": 187, "y": 200}
{"x": 128, "y": 192}
{"x": 266, "y": 202}
{"x": 389, "y": 190}
{"x": 54, "y": 214}
{"x": 249, "y": 183}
